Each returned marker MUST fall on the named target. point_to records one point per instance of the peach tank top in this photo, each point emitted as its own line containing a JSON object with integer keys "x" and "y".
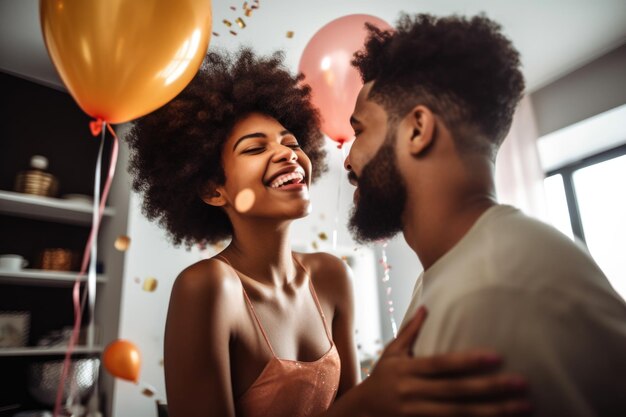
{"x": 289, "y": 388}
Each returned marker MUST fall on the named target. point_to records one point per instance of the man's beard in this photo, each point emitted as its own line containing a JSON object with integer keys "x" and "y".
{"x": 377, "y": 214}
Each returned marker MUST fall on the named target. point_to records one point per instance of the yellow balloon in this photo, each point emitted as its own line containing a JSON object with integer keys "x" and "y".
{"x": 121, "y": 59}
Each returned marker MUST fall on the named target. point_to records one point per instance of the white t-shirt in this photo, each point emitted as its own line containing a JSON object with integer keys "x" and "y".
{"x": 520, "y": 287}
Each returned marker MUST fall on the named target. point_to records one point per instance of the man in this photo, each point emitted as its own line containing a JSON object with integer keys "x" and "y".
{"x": 438, "y": 100}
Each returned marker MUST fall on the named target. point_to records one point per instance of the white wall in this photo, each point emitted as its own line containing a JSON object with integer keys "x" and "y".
{"x": 585, "y": 92}
{"x": 142, "y": 314}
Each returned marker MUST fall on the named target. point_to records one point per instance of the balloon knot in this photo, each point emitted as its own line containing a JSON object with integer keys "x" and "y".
{"x": 96, "y": 126}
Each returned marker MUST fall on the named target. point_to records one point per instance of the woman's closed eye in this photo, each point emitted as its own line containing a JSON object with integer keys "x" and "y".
{"x": 254, "y": 150}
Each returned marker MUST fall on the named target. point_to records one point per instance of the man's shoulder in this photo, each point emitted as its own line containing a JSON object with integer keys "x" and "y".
{"x": 520, "y": 247}
{"x": 512, "y": 227}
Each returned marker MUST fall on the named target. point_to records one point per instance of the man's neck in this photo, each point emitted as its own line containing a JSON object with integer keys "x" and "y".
{"x": 433, "y": 234}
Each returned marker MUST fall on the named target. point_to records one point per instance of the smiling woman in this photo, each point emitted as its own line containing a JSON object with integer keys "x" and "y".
{"x": 178, "y": 148}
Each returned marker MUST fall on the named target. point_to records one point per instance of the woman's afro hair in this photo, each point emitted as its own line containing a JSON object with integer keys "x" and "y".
{"x": 176, "y": 150}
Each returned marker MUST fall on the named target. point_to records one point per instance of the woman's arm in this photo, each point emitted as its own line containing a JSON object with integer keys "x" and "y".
{"x": 197, "y": 335}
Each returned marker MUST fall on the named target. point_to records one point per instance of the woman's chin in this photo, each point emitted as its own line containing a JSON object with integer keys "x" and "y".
{"x": 300, "y": 212}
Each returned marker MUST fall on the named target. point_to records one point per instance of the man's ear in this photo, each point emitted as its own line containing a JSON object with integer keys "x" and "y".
{"x": 422, "y": 122}
{"x": 212, "y": 195}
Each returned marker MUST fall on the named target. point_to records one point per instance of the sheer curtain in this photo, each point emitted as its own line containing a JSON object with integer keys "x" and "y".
{"x": 519, "y": 176}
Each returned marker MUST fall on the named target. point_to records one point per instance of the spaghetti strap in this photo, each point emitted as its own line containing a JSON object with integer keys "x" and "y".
{"x": 250, "y": 306}
{"x": 317, "y": 301}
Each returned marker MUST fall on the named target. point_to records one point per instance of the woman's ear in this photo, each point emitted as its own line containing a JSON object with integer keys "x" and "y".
{"x": 422, "y": 122}
{"x": 213, "y": 195}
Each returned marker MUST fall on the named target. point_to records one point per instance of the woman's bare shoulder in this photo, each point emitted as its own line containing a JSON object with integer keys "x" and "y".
{"x": 331, "y": 275}
{"x": 323, "y": 262}
{"x": 207, "y": 279}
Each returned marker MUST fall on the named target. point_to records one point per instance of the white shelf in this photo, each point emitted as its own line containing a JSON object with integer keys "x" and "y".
{"x": 46, "y": 208}
{"x": 45, "y": 351}
{"x": 43, "y": 277}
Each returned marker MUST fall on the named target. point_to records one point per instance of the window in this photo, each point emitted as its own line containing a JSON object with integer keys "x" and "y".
{"x": 587, "y": 199}
{"x": 558, "y": 212}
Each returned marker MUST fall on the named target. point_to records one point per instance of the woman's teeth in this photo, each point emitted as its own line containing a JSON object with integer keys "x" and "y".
{"x": 294, "y": 176}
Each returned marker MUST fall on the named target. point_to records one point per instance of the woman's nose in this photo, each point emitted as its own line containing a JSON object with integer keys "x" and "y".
{"x": 285, "y": 153}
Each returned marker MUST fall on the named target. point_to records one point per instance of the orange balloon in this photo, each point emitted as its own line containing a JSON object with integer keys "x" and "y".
{"x": 123, "y": 360}
{"x": 335, "y": 83}
{"x": 121, "y": 59}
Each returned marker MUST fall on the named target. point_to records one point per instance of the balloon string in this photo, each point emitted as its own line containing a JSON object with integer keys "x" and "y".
{"x": 336, "y": 226}
{"x": 89, "y": 255}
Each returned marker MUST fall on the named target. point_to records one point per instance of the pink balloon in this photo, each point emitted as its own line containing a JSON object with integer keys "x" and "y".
{"x": 335, "y": 84}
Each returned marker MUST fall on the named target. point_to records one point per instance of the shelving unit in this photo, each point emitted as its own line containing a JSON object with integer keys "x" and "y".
{"x": 31, "y": 224}
{"x": 46, "y": 208}
{"x": 56, "y": 211}
{"x": 45, "y": 351}
{"x": 44, "y": 278}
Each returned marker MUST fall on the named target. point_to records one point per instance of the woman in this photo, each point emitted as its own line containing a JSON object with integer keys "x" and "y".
{"x": 259, "y": 330}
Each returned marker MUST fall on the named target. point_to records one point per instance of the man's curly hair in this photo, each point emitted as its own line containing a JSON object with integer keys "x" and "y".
{"x": 176, "y": 150}
{"x": 463, "y": 69}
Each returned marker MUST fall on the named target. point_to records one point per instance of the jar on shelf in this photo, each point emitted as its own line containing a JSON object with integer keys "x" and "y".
{"x": 36, "y": 180}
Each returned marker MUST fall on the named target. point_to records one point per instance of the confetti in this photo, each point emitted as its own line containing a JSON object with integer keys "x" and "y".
{"x": 233, "y": 8}
{"x": 322, "y": 236}
{"x": 385, "y": 279}
{"x": 148, "y": 390}
{"x": 217, "y": 247}
{"x": 232, "y": 32}
{"x": 244, "y": 200}
{"x": 290, "y": 34}
{"x": 216, "y": 34}
{"x": 240, "y": 22}
{"x": 248, "y": 13}
{"x": 315, "y": 246}
{"x": 245, "y": 5}
{"x": 137, "y": 280}
{"x": 227, "y": 22}
{"x": 150, "y": 284}
{"x": 122, "y": 243}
